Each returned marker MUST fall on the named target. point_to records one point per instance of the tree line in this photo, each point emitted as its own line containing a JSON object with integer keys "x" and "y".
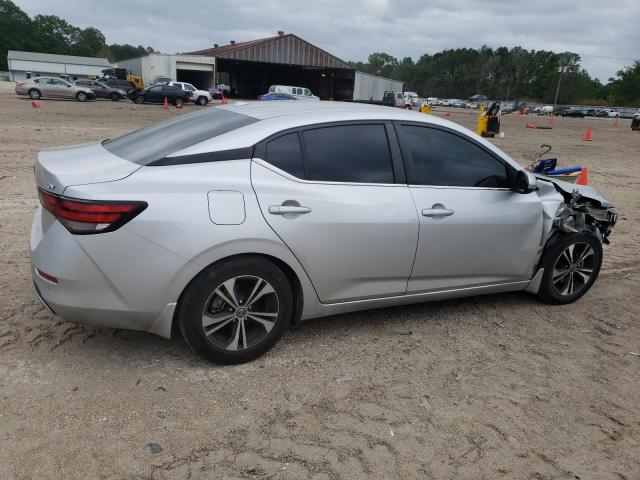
{"x": 52, "y": 34}
{"x": 506, "y": 74}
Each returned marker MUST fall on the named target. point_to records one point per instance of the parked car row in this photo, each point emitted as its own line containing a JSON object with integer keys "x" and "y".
{"x": 564, "y": 111}
{"x": 450, "y": 102}
{"x": 176, "y": 93}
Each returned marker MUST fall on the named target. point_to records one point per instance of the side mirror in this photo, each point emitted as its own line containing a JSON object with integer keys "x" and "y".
{"x": 525, "y": 182}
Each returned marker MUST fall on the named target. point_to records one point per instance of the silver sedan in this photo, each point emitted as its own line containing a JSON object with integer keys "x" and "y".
{"x": 232, "y": 223}
{"x": 52, "y": 87}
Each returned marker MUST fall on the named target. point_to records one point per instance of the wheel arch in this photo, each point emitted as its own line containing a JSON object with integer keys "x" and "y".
{"x": 301, "y": 286}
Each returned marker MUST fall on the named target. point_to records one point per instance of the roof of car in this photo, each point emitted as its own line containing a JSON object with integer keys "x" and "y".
{"x": 266, "y": 110}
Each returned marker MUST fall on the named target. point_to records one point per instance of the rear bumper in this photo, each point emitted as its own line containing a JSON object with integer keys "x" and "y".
{"x": 113, "y": 280}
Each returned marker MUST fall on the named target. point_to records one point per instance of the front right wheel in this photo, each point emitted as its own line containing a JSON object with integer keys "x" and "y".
{"x": 236, "y": 310}
{"x": 571, "y": 264}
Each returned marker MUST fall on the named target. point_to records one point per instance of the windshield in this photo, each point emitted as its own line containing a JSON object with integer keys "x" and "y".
{"x": 157, "y": 141}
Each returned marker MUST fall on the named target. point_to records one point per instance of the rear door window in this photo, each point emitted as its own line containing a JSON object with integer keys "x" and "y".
{"x": 348, "y": 153}
{"x": 285, "y": 153}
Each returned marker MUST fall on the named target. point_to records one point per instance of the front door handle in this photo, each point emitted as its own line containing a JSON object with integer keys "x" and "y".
{"x": 288, "y": 210}
{"x": 437, "y": 212}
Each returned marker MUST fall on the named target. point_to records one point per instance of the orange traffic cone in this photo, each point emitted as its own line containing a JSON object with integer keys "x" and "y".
{"x": 165, "y": 104}
{"x": 35, "y": 104}
{"x": 530, "y": 125}
{"x": 615, "y": 123}
{"x": 583, "y": 177}
{"x": 587, "y": 136}
{"x": 552, "y": 119}
{"x": 224, "y": 99}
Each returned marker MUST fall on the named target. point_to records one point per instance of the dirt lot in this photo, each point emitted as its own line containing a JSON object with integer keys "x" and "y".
{"x": 493, "y": 387}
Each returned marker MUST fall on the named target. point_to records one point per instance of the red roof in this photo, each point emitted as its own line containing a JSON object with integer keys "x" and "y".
{"x": 283, "y": 49}
{"x": 232, "y": 47}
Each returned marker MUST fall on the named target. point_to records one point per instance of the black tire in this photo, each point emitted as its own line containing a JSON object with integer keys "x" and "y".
{"x": 558, "y": 290}
{"x": 202, "y": 101}
{"x": 200, "y": 297}
{"x": 139, "y": 99}
{"x": 114, "y": 97}
{"x": 178, "y": 101}
{"x": 34, "y": 94}
{"x": 81, "y": 97}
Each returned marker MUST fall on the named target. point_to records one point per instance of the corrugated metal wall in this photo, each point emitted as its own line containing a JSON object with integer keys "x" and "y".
{"x": 371, "y": 87}
{"x": 288, "y": 50}
{"x": 133, "y": 65}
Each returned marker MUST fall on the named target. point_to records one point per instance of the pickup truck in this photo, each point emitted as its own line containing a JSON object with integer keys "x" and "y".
{"x": 201, "y": 97}
{"x": 395, "y": 99}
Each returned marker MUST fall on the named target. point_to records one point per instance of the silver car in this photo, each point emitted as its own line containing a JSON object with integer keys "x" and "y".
{"x": 52, "y": 87}
{"x": 231, "y": 223}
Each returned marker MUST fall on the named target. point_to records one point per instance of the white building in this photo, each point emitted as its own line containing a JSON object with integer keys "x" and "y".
{"x": 47, "y": 64}
{"x": 196, "y": 69}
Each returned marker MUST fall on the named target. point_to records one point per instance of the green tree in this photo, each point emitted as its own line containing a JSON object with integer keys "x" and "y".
{"x": 52, "y": 34}
{"x": 382, "y": 64}
{"x": 625, "y": 89}
{"x": 87, "y": 42}
{"x": 15, "y": 30}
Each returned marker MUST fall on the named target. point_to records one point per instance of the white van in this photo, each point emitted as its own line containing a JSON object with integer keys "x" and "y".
{"x": 300, "y": 93}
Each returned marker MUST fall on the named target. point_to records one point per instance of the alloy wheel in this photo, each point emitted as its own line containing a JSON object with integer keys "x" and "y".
{"x": 573, "y": 269}
{"x": 240, "y": 313}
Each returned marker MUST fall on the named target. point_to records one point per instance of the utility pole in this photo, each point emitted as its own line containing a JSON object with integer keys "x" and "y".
{"x": 561, "y": 72}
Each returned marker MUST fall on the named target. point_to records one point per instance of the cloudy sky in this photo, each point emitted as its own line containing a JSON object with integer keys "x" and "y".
{"x": 605, "y": 33}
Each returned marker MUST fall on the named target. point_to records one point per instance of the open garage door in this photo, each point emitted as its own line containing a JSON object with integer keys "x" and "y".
{"x": 251, "y": 79}
{"x": 198, "y": 75}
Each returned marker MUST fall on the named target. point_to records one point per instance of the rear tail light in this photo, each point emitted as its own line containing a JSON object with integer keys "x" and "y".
{"x": 83, "y": 217}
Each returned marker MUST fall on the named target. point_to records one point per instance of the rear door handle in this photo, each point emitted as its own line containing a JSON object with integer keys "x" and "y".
{"x": 288, "y": 209}
{"x": 437, "y": 212}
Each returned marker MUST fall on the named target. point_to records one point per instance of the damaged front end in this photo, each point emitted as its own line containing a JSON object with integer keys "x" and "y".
{"x": 584, "y": 210}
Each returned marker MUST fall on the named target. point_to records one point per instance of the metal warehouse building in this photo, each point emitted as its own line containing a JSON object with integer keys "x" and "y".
{"x": 54, "y": 65}
{"x": 253, "y": 66}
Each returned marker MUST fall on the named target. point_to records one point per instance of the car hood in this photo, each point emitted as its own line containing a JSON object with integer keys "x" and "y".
{"x": 584, "y": 190}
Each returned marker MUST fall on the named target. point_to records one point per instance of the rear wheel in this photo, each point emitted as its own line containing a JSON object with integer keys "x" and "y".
{"x": 34, "y": 94}
{"x": 236, "y": 310}
{"x": 114, "y": 97}
{"x": 81, "y": 97}
{"x": 571, "y": 264}
{"x": 139, "y": 99}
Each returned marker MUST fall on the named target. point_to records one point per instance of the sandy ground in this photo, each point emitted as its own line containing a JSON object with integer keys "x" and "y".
{"x": 491, "y": 387}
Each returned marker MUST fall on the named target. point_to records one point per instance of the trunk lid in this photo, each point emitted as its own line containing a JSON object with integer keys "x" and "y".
{"x": 58, "y": 168}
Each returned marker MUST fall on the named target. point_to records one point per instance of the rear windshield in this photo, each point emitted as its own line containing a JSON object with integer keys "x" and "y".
{"x": 157, "y": 141}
